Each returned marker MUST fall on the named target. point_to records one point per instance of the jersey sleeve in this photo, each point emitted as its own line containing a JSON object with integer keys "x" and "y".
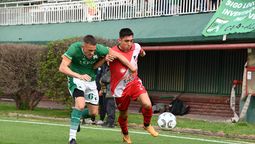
{"x": 141, "y": 51}
{"x": 102, "y": 50}
{"x": 70, "y": 53}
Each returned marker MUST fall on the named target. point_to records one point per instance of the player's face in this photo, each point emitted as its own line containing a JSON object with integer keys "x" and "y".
{"x": 89, "y": 50}
{"x": 126, "y": 42}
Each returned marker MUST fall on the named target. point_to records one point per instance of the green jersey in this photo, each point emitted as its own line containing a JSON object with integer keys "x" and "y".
{"x": 80, "y": 64}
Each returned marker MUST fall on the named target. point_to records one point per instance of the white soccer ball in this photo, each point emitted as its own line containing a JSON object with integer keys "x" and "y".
{"x": 166, "y": 120}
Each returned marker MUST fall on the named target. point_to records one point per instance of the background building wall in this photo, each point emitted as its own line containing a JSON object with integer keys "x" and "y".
{"x": 205, "y": 71}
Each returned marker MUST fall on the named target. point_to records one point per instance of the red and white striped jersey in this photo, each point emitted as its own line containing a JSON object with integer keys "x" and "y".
{"x": 120, "y": 74}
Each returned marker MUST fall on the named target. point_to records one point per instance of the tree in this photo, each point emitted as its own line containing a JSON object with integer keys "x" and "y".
{"x": 19, "y": 72}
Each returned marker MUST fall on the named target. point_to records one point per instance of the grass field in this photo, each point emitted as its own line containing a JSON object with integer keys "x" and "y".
{"x": 18, "y": 131}
{"x": 52, "y": 127}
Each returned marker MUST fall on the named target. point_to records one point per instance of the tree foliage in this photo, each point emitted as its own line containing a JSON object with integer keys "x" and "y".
{"x": 19, "y": 72}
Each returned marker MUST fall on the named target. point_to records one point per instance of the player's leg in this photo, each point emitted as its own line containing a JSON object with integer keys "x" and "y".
{"x": 110, "y": 108}
{"x": 102, "y": 109}
{"x": 93, "y": 110}
{"x": 147, "y": 113}
{"x": 139, "y": 93}
{"x": 122, "y": 105}
{"x": 78, "y": 96}
{"x": 85, "y": 113}
{"x": 123, "y": 122}
{"x": 146, "y": 108}
{"x": 92, "y": 99}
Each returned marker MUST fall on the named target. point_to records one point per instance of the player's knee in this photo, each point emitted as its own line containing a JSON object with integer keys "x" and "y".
{"x": 147, "y": 106}
{"x": 81, "y": 108}
{"x": 93, "y": 113}
{"x": 123, "y": 115}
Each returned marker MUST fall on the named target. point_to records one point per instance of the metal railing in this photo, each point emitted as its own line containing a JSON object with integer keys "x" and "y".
{"x": 62, "y": 11}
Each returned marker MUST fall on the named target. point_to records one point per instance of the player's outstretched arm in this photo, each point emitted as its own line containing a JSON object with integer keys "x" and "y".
{"x": 123, "y": 60}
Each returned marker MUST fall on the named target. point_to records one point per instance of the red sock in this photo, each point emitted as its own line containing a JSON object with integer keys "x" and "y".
{"x": 147, "y": 114}
{"x": 123, "y": 125}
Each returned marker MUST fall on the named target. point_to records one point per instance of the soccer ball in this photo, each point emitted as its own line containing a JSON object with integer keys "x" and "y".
{"x": 166, "y": 120}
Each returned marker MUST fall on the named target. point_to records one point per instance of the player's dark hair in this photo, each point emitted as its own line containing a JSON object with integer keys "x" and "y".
{"x": 89, "y": 39}
{"x": 125, "y": 32}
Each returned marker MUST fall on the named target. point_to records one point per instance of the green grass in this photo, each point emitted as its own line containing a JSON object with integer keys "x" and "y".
{"x": 14, "y": 131}
{"x": 226, "y": 128}
{"x": 6, "y": 108}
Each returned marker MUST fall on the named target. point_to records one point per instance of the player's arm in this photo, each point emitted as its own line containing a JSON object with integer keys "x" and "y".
{"x": 123, "y": 60}
{"x": 64, "y": 68}
{"x": 99, "y": 63}
{"x": 142, "y": 53}
{"x": 107, "y": 58}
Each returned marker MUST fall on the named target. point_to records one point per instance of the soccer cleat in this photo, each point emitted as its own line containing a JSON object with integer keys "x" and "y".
{"x": 73, "y": 141}
{"x": 151, "y": 130}
{"x": 127, "y": 139}
{"x": 89, "y": 121}
{"x": 100, "y": 122}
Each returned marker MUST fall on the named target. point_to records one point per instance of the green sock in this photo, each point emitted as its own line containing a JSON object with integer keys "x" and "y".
{"x": 75, "y": 118}
{"x": 85, "y": 113}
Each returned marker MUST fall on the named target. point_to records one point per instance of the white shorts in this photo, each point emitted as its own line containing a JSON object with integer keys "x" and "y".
{"x": 88, "y": 87}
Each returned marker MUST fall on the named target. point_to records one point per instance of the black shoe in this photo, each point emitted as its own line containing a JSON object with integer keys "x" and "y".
{"x": 79, "y": 128}
{"x": 73, "y": 141}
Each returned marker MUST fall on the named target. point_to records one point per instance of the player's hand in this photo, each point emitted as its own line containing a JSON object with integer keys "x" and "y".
{"x": 133, "y": 69}
{"x": 85, "y": 77}
{"x": 130, "y": 77}
{"x": 109, "y": 58}
{"x": 142, "y": 53}
{"x": 100, "y": 93}
{"x": 134, "y": 74}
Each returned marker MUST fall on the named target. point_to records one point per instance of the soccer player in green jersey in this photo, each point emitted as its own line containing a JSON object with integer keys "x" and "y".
{"x": 78, "y": 64}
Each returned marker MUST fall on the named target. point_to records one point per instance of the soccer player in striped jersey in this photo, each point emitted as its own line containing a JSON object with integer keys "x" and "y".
{"x": 126, "y": 85}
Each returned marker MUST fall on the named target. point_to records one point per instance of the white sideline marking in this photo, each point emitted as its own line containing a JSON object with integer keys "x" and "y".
{"x": 143, "y": 133}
